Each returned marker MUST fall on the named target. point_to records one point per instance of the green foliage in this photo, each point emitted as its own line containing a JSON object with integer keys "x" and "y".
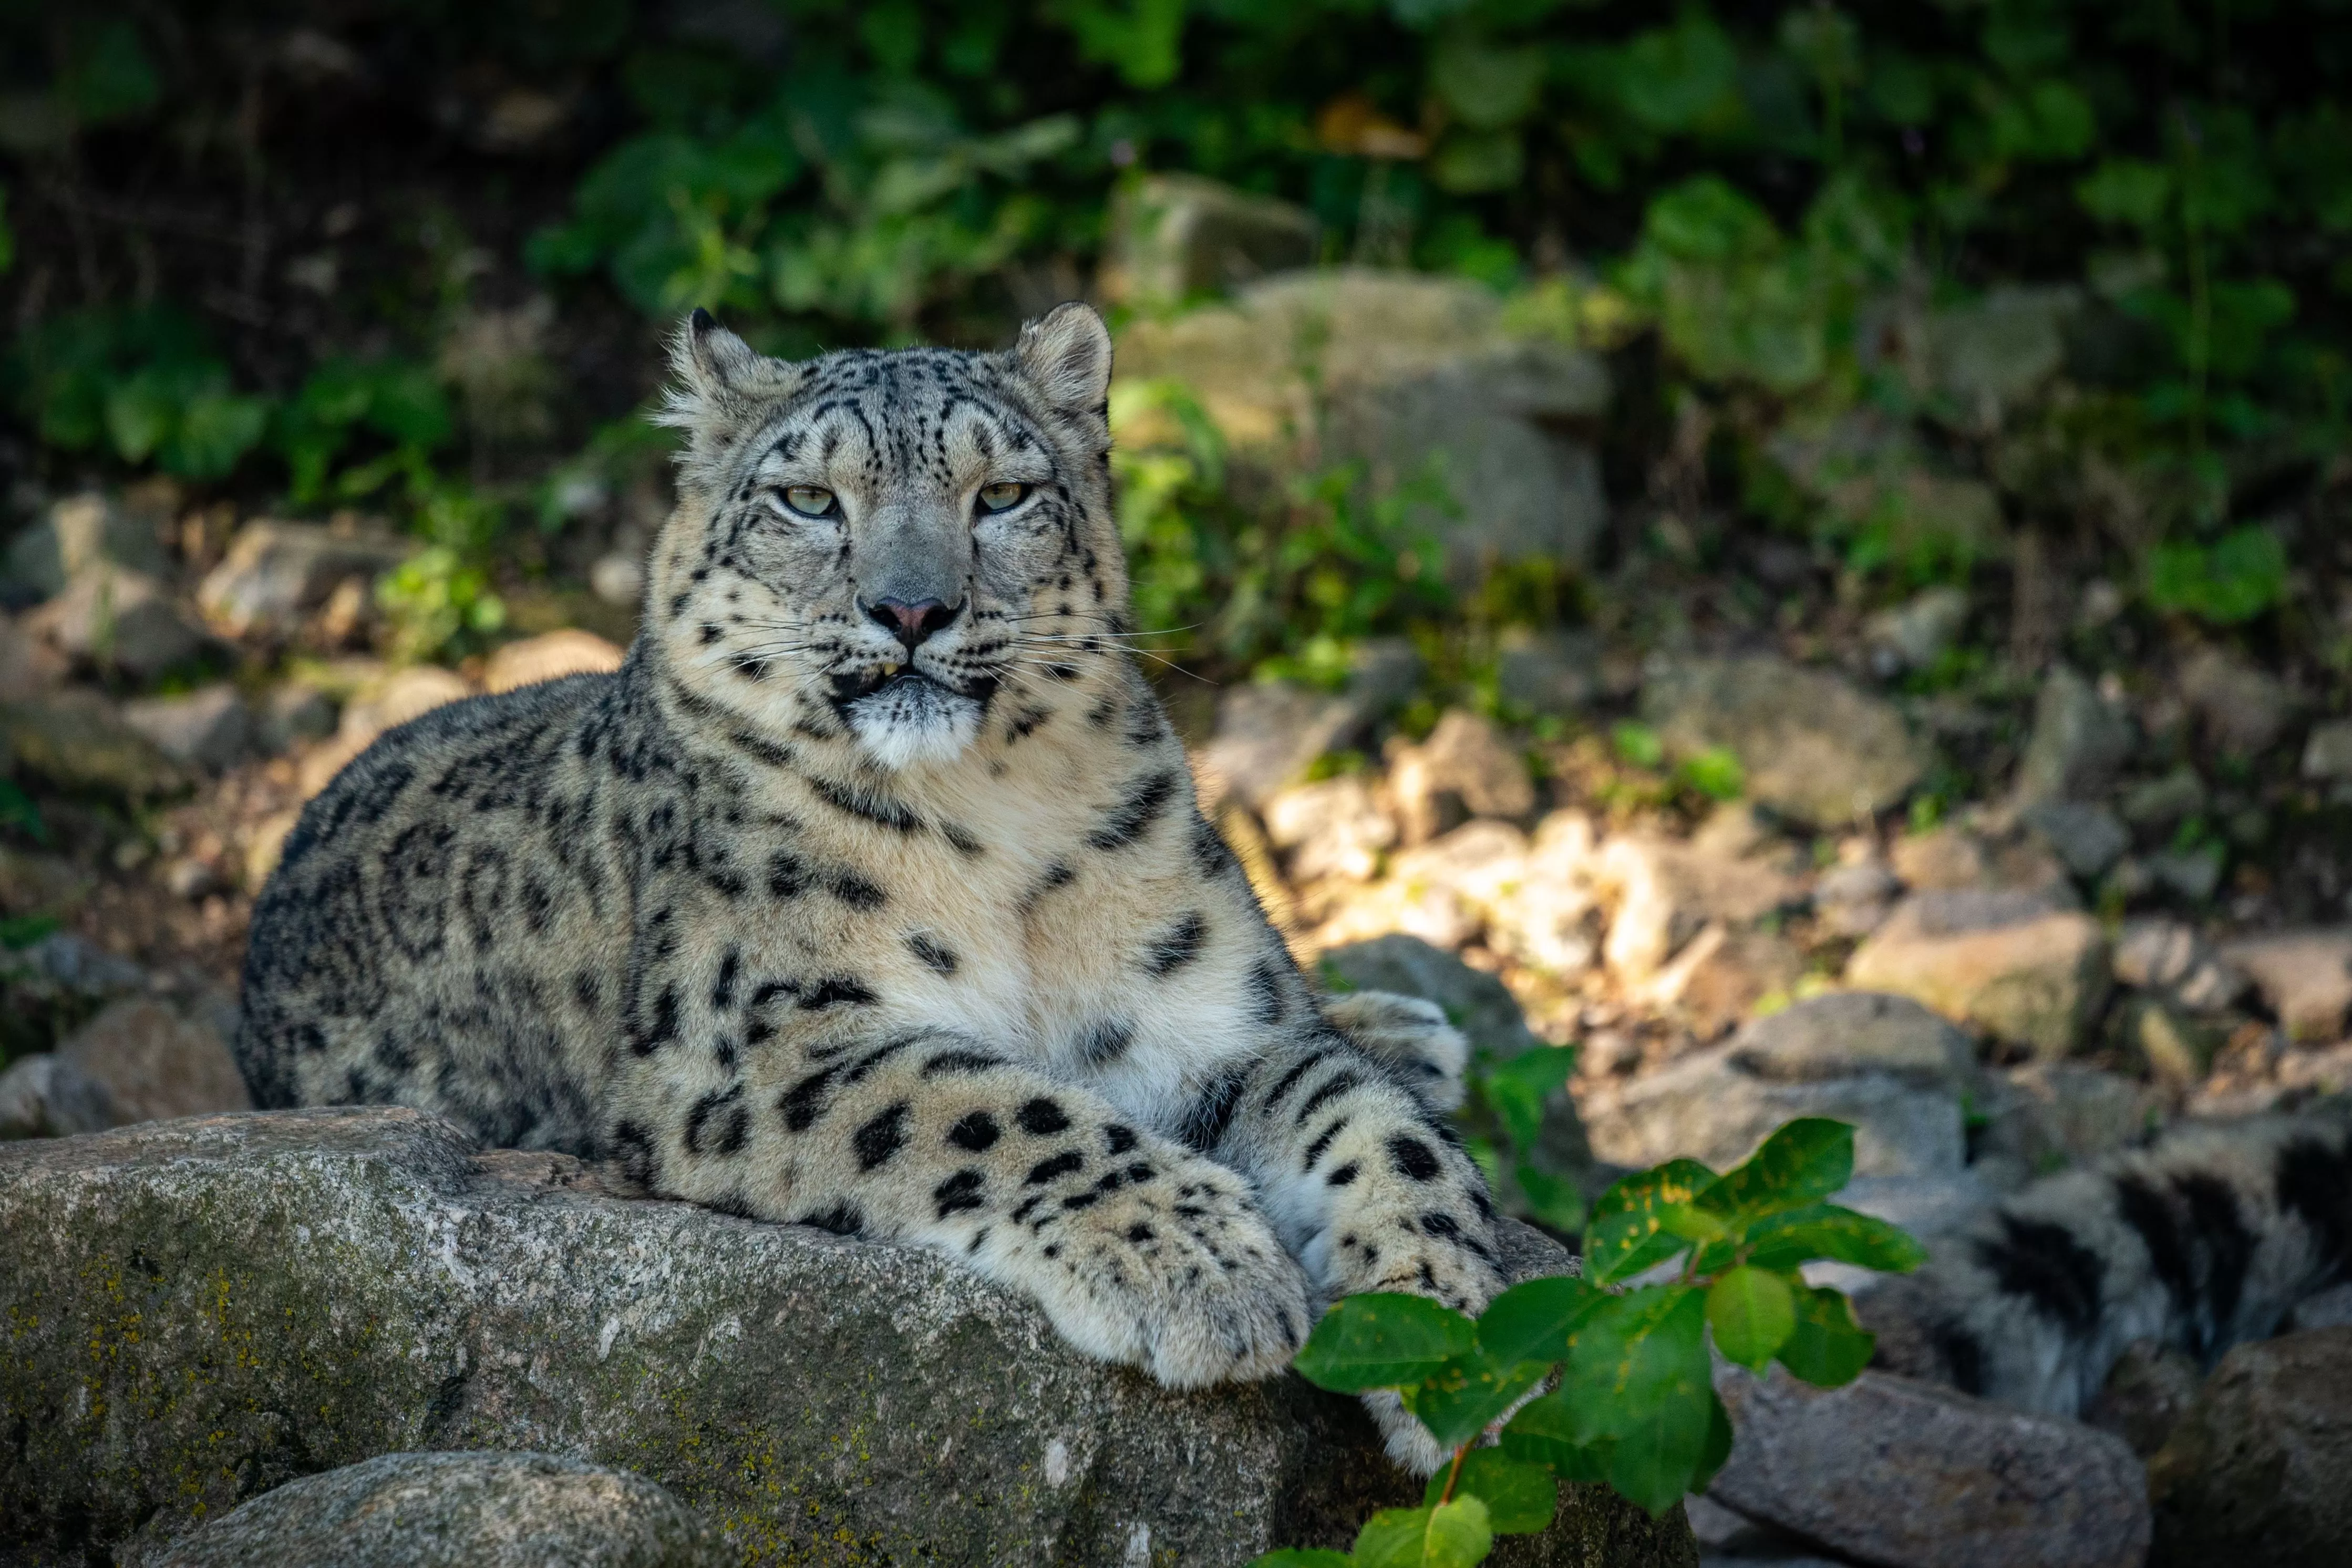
{"x": 437, "y": 603}
{"x": 18, "y": 811}
{"x": 2236, "y": 578}
{"x": 343, "y": 400}
{"x": 141, "y": 384}
{"x": 1503, "y": 1116}
{"x": 1673, "y": 1257}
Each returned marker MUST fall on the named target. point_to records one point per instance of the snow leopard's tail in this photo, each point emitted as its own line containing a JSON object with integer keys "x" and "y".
{"x": 2206, "y": 1239}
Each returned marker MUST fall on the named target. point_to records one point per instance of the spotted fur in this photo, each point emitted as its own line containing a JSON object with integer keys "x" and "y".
{"x": 2204, "y": 1241}
{"x": 917, "y": 939}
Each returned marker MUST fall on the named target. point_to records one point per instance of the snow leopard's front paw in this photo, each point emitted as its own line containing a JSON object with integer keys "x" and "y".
{"x": 1410, "y": 1038}
{"x": 1165, "y": 1263}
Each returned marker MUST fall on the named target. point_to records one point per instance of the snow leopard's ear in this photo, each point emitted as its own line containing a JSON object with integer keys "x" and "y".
{"x": 1065, "y": 354}
{"x": 721, "y": 383}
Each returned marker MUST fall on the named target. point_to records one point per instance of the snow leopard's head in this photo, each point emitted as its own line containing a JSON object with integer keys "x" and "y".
{"x": 902, "y": 548}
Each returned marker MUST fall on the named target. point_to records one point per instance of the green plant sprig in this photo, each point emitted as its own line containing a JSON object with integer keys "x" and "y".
{"x": 1605, "y": 1378}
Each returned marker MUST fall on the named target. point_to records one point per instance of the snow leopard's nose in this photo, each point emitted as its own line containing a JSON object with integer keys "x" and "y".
{"x": 911, "y": 624}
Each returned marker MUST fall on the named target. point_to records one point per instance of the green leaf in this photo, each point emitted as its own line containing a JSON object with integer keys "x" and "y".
{"x": 1452, "y": 1535}
{"x": 215, "y": 430}
{"x": 17, "y": 810}
{"x": 1638, "y": 1374}
{"x": 1531, "y": 1322}
{"x": 1302, "y": 1557}
{"x": 1714, "y": 772}
{"x": 2243, "y": 574}
{"x": 1518, "y": 1088}
{"x": 1521, "y": 1497}
{"x": 1627, "y": 1233}
{"x": 19, "y": 931}
{"x": 1457, "y": 1400}
{"x": 1752, "y": 1313}
{"x": 1827, "y": 1347}
{"x": 2126, "y": 191}
{"x": 1717, "y": 1450}
{"x": 1840, "y": 1235}
{"x": 1383, "y": 1341}
{"x": 1638, "y": 744}
{"x": 1804, "y": 1162}
{"x": 1552, "y": 1199}
{"x": 1551, "y": 1432}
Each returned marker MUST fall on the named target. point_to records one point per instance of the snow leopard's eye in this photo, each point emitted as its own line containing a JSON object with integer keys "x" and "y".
{"x": 1001, "y": 497}
{"x": 808, "y": 500}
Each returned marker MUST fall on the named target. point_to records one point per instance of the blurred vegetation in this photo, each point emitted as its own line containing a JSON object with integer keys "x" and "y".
{"x": 1768, "y": 206}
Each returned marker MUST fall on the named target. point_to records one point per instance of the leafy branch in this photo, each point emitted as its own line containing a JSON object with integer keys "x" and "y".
{"x": 1606, "y": 1377}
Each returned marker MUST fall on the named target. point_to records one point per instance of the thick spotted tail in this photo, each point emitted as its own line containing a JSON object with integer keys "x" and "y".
{"x": 2205, "y": 1240}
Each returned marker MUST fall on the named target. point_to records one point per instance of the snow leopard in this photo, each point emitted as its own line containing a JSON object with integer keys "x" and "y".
{"x": 2207, "y": 1239}
{"x": 873, "y": 893}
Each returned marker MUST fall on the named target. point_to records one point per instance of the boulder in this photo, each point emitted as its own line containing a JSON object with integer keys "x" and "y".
{"x": 2079, "y": 745}
{"x": 1415, "y": 377}
{"x": 2175, "y": 1048}
{"x": 2008, "y": 963}
{"x": 1467, "y": 768}
{"x": 274, "y": 574}
{"x": 2168, "y": 956}
{"x": 41, "y": 1096}
{"x": 456, "y": 1510}
{"x": 1715, "y": 1105}
{"x": 1907, "y": 1475}
{"x": 1331, "y": 828}
{"x": 2259, "y": 1468}
{"x": 2327, "y": 752}
{"x": 2305, "y": 978}
{"x": 153, "y": 1063}
{"x": 118, "y": 620}
{"x": 1855, "y": 899}
{"x": 205, "y": 1310}
{"x": 1813, "y": 746}
{"x": 550, "y": 655}
{"x": 1721, "y": 975}
{"x": 1845, "y": 1034}
{"x": 1481, "y": 862}
{"x": 1661, "y": 894}
{"x": 1174, "y": 238}
{"x": 77, "y": 741}
{"x": 210, "y": 729}
{"x": 2086, "y": 839}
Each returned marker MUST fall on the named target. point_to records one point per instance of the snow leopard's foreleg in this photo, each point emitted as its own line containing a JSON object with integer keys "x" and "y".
{"x": 1138, "y": 1251}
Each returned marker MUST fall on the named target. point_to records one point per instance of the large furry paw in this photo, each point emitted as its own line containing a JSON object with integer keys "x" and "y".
{"x": 1173, "y": 1269}
{"x": 1410, "y": 1038}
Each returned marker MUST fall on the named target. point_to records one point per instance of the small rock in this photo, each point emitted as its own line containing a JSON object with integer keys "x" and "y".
{"x": 29, "y": 668}
{"x": 2176, "y": 1049}
{"x": 42, "y": 1097}
{"x": 210, "y": 729}
{"x": 1549, "y": 672}
{"x": 2156, "y": 804}
{"x": 1174, "y": 238}
{"x": 2169, "y": 956}
{"x": 1843, "y": 1034}
{"x": 1707, "y": 1106}
{"x": 1899, "y": 1472}
{"x": 2145, "y": 1397}
{"x": 1334, "y": 829}
{"x": 1269, "y": 730}
{"x": 618, "y": 578}
{"x": 2243, "y": 708}
{"x": 1812, "y": 746}
{"x": 2009, "y": 963}
{"x": 77, "y": 741}
{"x": 2080, "y": 742}
{"x": 550, "y": 655}
{"x": 2191, "y": 874}
{"x": 2327, "y": 754}
{"x": 155, "y": 1064}
{"x": 2308, "y": 1072}
{"x": 118, "y": 620}
{"x": 1663, "y": 893}
{"x": 1465, "y": 768}
{"x": 2086, "y": 838}
{"x": 2304, "y": 977}
{"x": 1408, "y": 906}
{"x": 2259, "y": 1468}
{"x": 457, "y": 1510}
{"x": 1915, "y": 633}
{"x": 81, "y": 532}
{"x": 2053, "y": 1114}
{"x": 404, "y": 695}
{"x": 1481, "y": 861}
{"x": 1941, "y": 859}
{"x": 294, "y": 713}
{"x": 192, "y": 879}
{"x": 1720, "y": 976}
{"x": 1855, "y": 901}
{"x": 274, "y": 574}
